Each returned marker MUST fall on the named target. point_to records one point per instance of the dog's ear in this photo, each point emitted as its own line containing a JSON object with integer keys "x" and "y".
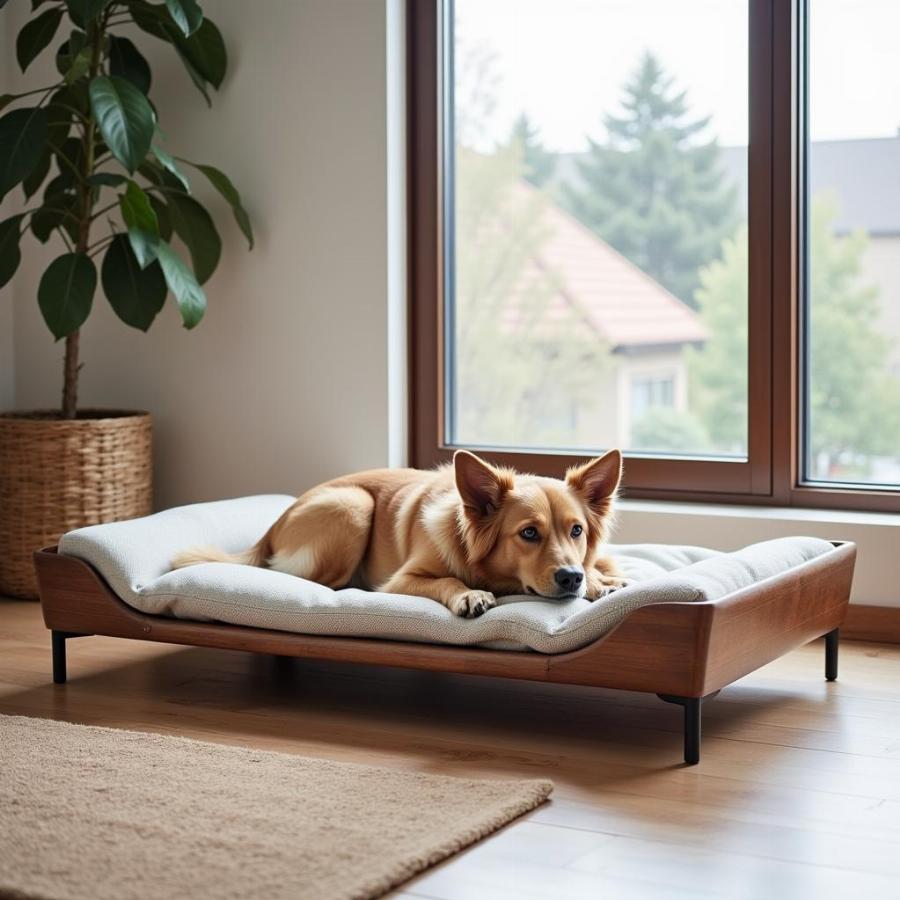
{"x": 596, "y": 481}
{"x": 481, "y": 486}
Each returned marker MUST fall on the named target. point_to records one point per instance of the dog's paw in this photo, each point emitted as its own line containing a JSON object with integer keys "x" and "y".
{"x": 473, "y": 604}
{"x": 603, "y": 585}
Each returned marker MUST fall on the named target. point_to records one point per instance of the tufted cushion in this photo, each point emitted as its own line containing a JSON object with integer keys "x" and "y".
{"x": 134, "y": 557}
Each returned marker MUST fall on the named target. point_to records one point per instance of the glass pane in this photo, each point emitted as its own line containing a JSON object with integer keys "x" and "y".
{"x": 853, "y": 243}
{"x": 596, "y": 227}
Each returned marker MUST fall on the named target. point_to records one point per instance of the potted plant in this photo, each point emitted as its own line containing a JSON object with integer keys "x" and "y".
{"x": 113, "y": 197}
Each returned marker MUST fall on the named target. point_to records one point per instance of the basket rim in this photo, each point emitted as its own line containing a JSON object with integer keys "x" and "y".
{"x": 85, "y": 416}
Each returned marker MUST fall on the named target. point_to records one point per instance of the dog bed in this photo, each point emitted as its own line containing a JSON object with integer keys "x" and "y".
{"x": 691, "y": 622}
{"x": 135, "y": 559}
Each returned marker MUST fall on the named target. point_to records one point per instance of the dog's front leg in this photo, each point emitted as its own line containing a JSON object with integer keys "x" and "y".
{"x": 603, "y": 577}
{"x": 451, "y": 592}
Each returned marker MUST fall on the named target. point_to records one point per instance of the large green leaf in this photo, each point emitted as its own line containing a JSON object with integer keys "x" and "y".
{"x": 36, "y": 178}
{"x": 153, "y": 19}
{"x": 195, "y": 76}
{"x": 66, "y": 292}
{"x": 84, "y": 11}
{"x": 124, "y": 117}
{"x": 68, "y": 159}
{"x": 220, "y": 181}
{"x": 56, "y": 212}
{"x": 168, "y": 163}
{"x": 59, "y": 115}
{"x": 205, "y": 50}
{"x": 188, "y": 294}
{"x": 203, "y": 53}
{"x": 80, "y": 65}
{"x": 10, "y": 255}
{"x": 60, "y": 207}
{"x": 36, "y": 35}
{"x": 143, "y": 228}
{"x": 22, "y": 136}
{"x": 107, "y": 179}
{"x": 162, "y": 217}
{"x": 136, "y": 294}
{"x": 186, "y": 14}
{"x": 193, "y": 224}
{"x": 68, "y": 50}
{"x": 126, "y": 61}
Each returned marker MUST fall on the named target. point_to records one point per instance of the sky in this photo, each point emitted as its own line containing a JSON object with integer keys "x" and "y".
{"x": 564, "y": 61}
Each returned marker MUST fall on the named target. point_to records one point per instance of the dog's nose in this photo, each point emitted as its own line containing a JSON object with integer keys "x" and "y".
{"x": 569, "y": 578}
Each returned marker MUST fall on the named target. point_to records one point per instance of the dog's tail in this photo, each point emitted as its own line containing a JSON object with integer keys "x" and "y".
{"x": 252, "y": 557}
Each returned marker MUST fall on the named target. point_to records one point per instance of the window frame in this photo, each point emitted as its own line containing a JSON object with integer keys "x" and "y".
{"x": 771, "y": 473}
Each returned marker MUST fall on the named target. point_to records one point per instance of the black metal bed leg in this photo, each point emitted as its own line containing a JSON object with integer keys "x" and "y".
{"x": 832, "y": 639}
{"x": 59, "y": 656}
{"x": 693, "y": 707}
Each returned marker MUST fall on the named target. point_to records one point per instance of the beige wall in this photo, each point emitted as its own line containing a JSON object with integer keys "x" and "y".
{"x": 286, "y": 381}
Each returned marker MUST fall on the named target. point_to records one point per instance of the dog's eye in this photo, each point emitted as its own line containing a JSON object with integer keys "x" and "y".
{"x": 529, "y": 534}
{"x": 577, "y": 530}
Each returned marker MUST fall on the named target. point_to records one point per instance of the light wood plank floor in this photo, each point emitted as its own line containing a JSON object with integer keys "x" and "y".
{"x": 797, "y": 794}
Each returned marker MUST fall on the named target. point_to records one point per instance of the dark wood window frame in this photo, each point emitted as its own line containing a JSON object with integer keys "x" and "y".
{"x": 771, "y": 474}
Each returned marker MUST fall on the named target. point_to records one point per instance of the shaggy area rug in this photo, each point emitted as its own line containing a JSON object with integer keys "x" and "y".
{"x": 102, "y": 813}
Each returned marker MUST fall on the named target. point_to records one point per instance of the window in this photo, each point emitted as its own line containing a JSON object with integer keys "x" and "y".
{"x": 852, "y": 210}
{"x": 599, "y": 222}
{"x": 621, "y": 237}
{"x": 651, "y": 393}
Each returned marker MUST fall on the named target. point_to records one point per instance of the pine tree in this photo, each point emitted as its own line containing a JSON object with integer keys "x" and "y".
{"x": 538, "y": 162}
{"x": 653, "y": 190}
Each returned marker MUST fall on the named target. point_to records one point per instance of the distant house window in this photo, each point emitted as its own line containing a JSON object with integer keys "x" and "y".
{"x": 652, "y": 392}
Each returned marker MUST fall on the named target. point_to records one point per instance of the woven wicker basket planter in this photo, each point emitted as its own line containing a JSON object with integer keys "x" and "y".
{"x": 56, "y": 475}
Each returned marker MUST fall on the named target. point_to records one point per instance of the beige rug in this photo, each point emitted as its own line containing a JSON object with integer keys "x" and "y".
{"x": 97, "y": 813}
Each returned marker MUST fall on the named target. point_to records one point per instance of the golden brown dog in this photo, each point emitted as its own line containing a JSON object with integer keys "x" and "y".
{"x": 461, "y": 534}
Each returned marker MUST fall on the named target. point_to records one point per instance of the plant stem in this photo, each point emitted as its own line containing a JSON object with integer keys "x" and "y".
{"x": 105, "y": 209}
{"x": 65, "y": 239}
{"x": 100, "y": 245}
{"x": 49, "y": 90}
{"x": 70, "y": 376}
{"x": 70, "y": 365}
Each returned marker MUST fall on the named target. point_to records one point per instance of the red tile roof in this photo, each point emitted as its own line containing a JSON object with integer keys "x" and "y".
{"x": 622, "y": 304}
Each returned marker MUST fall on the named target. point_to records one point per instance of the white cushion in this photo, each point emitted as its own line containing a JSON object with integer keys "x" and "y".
{"x": 135, "y": 558}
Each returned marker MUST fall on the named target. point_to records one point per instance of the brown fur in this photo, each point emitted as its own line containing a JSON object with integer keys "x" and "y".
{"x": 454, "y": 534}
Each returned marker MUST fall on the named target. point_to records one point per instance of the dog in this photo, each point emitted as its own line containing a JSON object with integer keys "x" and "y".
{"x": 462, "y": 534}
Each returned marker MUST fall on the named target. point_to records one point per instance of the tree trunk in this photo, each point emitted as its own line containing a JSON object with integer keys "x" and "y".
{"x": 70, "y": 377}
{"x": 97, "y": 34}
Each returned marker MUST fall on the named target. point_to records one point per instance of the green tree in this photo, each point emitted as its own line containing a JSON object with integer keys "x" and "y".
{"x": 854, "y": 401}
{"x": 662, "y": 429}
{"x": 654, "y": 189}
{"x": 718, "y": 372}
{"x": 519, "y": 374}
{"x": 539, "y": 163}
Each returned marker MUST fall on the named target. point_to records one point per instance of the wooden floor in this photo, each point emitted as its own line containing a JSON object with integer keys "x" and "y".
{"x": 797, "y": 794}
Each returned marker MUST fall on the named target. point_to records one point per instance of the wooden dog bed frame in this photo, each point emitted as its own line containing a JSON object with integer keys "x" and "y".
{"x": 682, "y": 652}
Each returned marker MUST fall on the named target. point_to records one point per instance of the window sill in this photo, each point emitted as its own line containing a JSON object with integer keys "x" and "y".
{"x": 728, "y": 527}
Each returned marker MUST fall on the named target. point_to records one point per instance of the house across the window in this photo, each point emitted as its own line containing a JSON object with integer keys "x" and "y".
{"x": 632, "y": 337}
